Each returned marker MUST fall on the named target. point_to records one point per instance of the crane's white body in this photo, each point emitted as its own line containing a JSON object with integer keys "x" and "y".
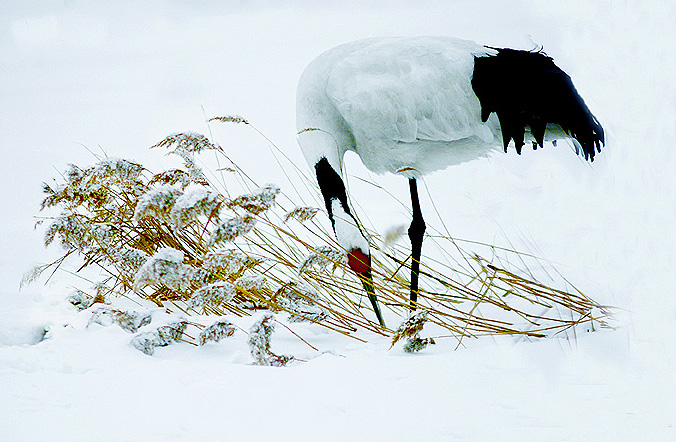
{"x": 404, "y": 105}
{"x": 411, "y": 106}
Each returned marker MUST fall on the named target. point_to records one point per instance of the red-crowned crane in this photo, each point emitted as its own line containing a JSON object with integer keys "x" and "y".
{"x": 411, "y": 106}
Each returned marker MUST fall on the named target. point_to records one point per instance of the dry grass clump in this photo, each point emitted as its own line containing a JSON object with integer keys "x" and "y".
{"x": 160, "y": 337}
{"x": 410, "y": 329}
{"x": 216, "y": 331}
{"x": 259, "y": 343}
{"x": 228, "y": 246}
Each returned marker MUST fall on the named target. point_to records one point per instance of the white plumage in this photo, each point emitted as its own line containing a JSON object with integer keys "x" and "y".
{"x": 402, "y": 104}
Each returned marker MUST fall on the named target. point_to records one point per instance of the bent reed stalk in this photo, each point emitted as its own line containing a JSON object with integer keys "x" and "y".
{"x": 228, "y": 246}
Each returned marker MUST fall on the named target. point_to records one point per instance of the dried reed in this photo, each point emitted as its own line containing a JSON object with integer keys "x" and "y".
{"x": 184, "y": 242}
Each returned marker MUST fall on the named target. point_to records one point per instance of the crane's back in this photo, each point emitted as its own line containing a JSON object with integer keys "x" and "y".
{"x": 400, "y": 103}
{"x": 421, "y": 104}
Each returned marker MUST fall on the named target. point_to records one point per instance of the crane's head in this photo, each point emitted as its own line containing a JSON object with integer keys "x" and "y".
{"x": 360, "y": 263}
{"x": 352, "y": 239}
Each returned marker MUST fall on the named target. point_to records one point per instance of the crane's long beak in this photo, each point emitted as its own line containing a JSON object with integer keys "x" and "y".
{"x": 367, "y": 282}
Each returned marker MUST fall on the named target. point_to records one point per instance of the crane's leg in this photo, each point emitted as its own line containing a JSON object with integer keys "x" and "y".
{"x": 415, "y": 233}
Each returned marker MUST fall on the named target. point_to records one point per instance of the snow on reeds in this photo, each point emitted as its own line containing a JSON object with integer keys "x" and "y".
{"x": 198, "y": 246}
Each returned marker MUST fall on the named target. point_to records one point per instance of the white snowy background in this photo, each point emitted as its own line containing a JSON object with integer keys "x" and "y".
{"x": 81, "y": 76}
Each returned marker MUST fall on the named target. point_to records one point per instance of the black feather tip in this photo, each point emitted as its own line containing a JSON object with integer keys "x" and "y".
{"x": 526, "y": 89}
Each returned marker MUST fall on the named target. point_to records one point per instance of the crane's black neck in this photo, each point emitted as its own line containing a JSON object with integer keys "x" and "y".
{"x": 526, "y": 89}
{"x": 331, "y": 186}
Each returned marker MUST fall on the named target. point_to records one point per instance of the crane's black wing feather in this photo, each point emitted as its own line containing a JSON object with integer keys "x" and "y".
{"x": 526, "y": 89}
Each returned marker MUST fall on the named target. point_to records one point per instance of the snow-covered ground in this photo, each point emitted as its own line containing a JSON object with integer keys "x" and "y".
{"x": 119, "y": 76}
